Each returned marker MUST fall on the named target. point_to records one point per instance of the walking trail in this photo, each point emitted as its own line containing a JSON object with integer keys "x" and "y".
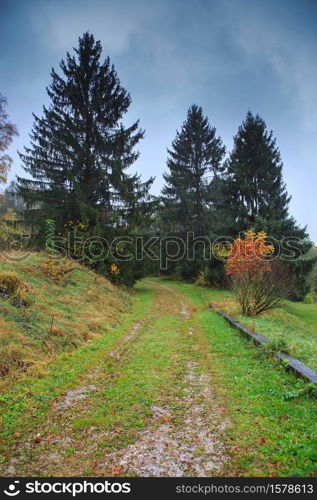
{"x": 166, "y": 419}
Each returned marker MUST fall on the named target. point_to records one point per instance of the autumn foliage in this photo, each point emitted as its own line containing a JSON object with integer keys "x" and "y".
{"x": 259, "y": 283}
{"x": 250, "y": 254}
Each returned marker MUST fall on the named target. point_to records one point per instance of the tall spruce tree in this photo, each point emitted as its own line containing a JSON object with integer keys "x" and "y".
{"x": 254, "y": 187}
{"x": 194, "y": 159}
{"x": 194, "y": 162}
{"x": 254, "y": 194}
{"x": 80, "y": 151}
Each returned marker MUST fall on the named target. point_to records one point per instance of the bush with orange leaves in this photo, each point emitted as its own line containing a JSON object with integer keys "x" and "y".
{"x": 259, "y": 280}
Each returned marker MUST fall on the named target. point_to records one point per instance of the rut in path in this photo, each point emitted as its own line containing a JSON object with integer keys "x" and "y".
{"x": 189, "y": 445}
{"x": 191, "y": 449}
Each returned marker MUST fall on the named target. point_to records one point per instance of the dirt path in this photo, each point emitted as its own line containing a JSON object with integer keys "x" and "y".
{"x": 174, "y": 429}
{"x": 170, "y": 449}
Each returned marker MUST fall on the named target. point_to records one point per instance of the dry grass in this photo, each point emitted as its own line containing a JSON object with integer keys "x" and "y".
{"x": 61, "y": 306}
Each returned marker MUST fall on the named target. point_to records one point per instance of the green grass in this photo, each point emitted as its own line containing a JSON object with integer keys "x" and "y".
{"x": 275, "y": 432}
{"x": 148, "y": 373}
{"x": 24, "y": 404}
{"x": 295, "y": 324}
{"x": 305, "y": 312}
{"x": 273, "y": 423}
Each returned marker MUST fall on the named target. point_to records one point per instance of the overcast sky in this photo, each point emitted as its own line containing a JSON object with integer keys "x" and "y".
{"x": 227, "y": 56}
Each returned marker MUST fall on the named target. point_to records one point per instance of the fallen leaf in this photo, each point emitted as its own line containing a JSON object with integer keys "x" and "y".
{"x": 116, "y": 470}
{"x": 277, "y": 465}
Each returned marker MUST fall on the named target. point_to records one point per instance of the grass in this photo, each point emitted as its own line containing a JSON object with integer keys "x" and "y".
{"x": 294, "y": 324}
{"x": 275, "y": 431}
{"x": 305, "y": 312}
{"x": 148, "y": 372}
{"x": 60, "y": 315}
{"x": 24, "y": 404}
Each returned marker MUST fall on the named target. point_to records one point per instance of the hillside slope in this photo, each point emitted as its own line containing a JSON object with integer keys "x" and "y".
{"x": 48, "y": 307}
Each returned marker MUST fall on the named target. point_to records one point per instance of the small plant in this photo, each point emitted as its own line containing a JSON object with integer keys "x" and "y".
{"x": 300, "y": 390}
{"x": 56, "y": 270}
{"x": 285, "y": 364}
{"x": 50, "y": 228}
{"x": 13, "y": 288}
{"x": 114, "y": 273}
{"x": 277, "y": 345}
{"x": 309, "y": 298}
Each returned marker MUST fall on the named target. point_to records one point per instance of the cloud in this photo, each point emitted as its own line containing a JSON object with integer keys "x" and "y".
{"x": 60, "y": 23}
{"x": 270, "y": 39}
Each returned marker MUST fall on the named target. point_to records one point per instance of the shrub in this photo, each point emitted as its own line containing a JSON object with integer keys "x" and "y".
{"x": 309, "y": 298}
{"x": 202, "y": 279}
{"x": 258, "y": 283}
{"x": 9, "y": 230}
{"x": 12, "y": 287}
{"x": 214, "y": 274}
{"x": 9, "y": 284}
{"x": 258, "y": 293}
{"x": 56, "y": 270}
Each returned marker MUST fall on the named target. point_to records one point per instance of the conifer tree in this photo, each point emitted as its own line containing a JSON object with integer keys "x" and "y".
{"x": 194, "y": 159}
{"x": 254, "y": 187}
{"x": 255, "y": 196}
{"x": 80, "y": 151}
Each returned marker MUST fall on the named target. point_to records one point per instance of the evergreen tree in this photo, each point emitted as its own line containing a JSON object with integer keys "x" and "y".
{"x": 255, "y": 196}
{"x": 254, "y": 188}
{"x": 195, "y": 157}
{"x": 80, "y": 151}
{"x": 194, "y": 163}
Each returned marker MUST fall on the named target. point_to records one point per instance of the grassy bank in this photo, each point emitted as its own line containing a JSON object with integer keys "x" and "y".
{"x": 25, "y": 404}
{"x": 48, "y": 308}
{"x": 293, "y": 326}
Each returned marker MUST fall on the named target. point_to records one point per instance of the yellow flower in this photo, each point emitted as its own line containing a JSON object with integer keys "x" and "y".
{"x": 114, "y": 269}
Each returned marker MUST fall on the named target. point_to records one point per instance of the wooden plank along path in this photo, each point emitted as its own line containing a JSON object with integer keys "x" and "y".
{"x": 294, "y": 364}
